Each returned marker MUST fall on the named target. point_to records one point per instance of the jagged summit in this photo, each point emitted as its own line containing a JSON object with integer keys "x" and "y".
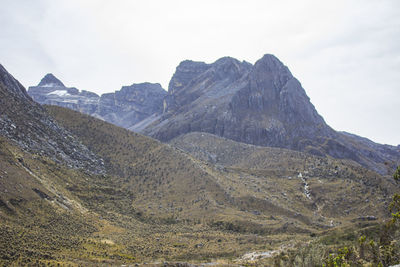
{"x": 131, "y": 104}
{"x": 261, "y": 104}
{"x": 146, "y": 87}
{"x": 271, "y": 60}
{"x": 50, "y": 81}
{"x": 184, "y": 73}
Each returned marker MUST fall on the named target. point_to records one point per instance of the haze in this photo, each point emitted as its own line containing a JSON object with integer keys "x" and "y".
{"x": 346, "y": 54}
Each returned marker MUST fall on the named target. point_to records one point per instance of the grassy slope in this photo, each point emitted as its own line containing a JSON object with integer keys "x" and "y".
{"x": 339, "y": 188}
{"x": 169, "y": 184}
{"x": 41, "y": 221}
{"x": 156, "y": 202}
{"x": 78, "y": 218}
{"x": 250, "y": 188}
{"x": 161, "y": 179}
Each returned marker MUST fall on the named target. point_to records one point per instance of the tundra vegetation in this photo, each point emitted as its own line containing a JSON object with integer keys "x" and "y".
{"x": 163, "y": 203}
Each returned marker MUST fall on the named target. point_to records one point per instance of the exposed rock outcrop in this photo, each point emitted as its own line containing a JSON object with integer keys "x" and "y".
{"x": 260, "y": 104}
{"x": 131, "y": 104}
{"x": 28, "y": 125}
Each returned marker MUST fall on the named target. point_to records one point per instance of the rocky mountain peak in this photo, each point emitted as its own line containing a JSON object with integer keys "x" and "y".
{"x": 228, "y": 67}
{"x": 145, "y": 88}
{"x": 269, "y": 72}
{"x": 131, "y": 104}
{"x": 227, "y": 62}
{"x": 261, "y": 104}
{"x": 50, "y": 81}
{"x": 184, "y": 73}
{"x": 271, "y": 61}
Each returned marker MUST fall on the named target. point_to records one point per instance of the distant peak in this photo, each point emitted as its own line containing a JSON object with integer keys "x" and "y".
{"x": 189, "y": 64}
{"x": 271, "y": 64}
{"x": 184, "y": 73}
{"x": 50, "y": 80}
{"x": 145, "y": 86}
{"x": 270, "y": 59}
{"x": 226, "y": 60}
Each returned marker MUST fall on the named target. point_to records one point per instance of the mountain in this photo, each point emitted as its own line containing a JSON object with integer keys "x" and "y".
{"x": 148, "y": 202}
{"x": 76, "y": 190}
{"x": 261, "y": 104}
{"x": 49, "y": 80}
{"x": 124, "y": 108}
{"x": 52, "y": 91}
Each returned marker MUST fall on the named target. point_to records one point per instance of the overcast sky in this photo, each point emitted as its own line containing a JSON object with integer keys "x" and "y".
{"x": 345, "y": 53}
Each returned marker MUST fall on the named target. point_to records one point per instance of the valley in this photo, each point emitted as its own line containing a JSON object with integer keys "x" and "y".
{"x": 77, "y": 190}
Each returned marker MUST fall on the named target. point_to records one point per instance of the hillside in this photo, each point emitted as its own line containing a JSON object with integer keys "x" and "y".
{"x": 116, "y": 197}
{"x": 149, "y": 203}
{"x": 226, "y": 152}
{"x": 270, "y": 192}
{"x": 162, "y": 179}
{"x": 168, "y": 181}
{"x": 27, "y": 124}
{"x": 287, "y": 165}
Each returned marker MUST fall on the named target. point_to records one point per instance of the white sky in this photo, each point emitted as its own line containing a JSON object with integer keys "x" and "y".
{"x": 346, "y": 53}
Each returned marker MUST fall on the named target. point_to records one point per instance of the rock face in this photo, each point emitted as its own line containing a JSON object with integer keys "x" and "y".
{"x": 131, "y": 104}
{"x": 27, "y": 124}
{"x": 260, "y": 104}
{"x": 124, "y": 108}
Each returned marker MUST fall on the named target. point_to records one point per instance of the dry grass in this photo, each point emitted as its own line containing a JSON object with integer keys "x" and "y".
{"x": 158, "y": 203}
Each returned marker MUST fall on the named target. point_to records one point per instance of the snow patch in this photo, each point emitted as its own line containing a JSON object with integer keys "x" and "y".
{"x": 59, "y": 92}
{"x": 50, "y": 85}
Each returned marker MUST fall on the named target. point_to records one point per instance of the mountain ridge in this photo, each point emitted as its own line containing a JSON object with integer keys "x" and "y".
{"x": 124, "y": 107}
{"x": 261, "y": 104}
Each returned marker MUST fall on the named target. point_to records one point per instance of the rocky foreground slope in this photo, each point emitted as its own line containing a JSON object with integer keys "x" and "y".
{"x": 26, "y": 123}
